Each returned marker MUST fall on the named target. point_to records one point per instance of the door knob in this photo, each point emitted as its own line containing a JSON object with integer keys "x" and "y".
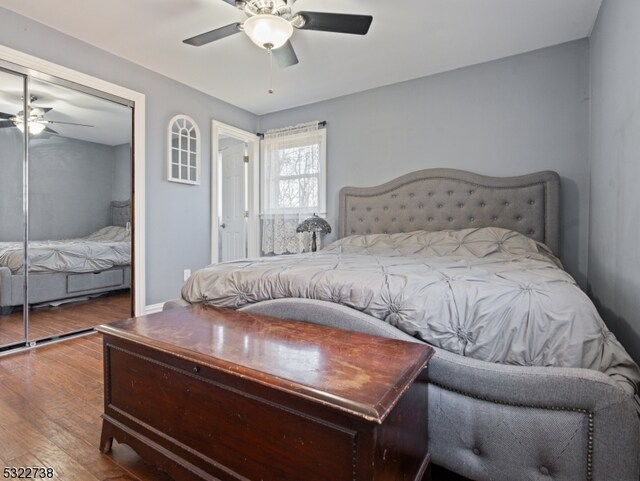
{"x": 223, "y": 226}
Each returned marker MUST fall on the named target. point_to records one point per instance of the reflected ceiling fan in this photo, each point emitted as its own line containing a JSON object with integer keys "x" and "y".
{"x": 270, "y": 24}
{"x": 36, "y": 120}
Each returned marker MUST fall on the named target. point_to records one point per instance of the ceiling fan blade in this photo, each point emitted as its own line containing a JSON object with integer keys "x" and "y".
{"x": 230, "y": 2}
{"x": 50, "y": 131}
{"x": 6, "y": 123}
{"x": 45, "y": 109}
{"x": 4, "y": 115}
{"x": 66, "y": 123}
{"x": 213, "y": 35}
{"x": 336, "y": 22}
{"x": 285, "y": 55}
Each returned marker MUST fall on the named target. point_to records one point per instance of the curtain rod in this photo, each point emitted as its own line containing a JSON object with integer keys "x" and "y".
{"x": 322, "y": 123}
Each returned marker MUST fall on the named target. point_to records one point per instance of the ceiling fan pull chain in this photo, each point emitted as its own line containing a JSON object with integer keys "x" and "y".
{"x": 270, "y": 52}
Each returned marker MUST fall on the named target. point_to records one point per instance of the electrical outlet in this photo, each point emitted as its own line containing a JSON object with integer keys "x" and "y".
{"x": 186, "y": 274}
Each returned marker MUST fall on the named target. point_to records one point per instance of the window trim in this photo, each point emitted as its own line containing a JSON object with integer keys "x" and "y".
{"x": 321, "y": 209}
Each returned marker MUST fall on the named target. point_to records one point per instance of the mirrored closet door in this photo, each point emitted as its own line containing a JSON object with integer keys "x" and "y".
{"x": 74, "y": 200}
{"x": 12, "y": 219}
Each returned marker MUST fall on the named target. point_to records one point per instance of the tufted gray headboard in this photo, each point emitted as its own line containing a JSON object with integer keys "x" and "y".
{"x": 120, "y": 212}
{"x": 439, "y": 199}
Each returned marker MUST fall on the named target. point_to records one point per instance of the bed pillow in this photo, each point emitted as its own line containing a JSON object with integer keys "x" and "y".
{"x": 476, "y": 242}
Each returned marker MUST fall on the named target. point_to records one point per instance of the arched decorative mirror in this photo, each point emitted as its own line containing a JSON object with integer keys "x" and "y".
{"x": 184, "y": 150}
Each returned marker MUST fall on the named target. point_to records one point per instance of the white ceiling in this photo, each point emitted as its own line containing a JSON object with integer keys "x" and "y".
{"x": 110, "y": 122}
{"x": 407, "y": 39}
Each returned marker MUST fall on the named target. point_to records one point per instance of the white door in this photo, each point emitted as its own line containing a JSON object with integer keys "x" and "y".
{"x": 233, "y": 234}
{"x": 233, "y": 223}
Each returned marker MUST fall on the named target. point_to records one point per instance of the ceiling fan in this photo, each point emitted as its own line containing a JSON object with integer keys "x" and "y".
{"x": 35, "y": 118}
{"x": 270, "y": 24}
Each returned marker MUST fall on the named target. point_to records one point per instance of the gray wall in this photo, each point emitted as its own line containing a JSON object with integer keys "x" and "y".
{"x": 508, "y": 117}
{"x": 614, "y": 256}
{"x": 178, "y": 220}
{"x": 122, "y": 173}
{"x": 11, "y": 216}
{"x": 71, "y": 186}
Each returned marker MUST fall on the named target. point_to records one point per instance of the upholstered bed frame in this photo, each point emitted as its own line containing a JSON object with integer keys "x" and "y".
{"x": 439, "y": 199}
{"x": 491, "y": 422}
{"x": 57, "y": 286}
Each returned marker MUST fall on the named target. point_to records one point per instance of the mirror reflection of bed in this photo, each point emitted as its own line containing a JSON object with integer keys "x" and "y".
{"x": 75, "y": 283}
{"x": 79, "y": 213}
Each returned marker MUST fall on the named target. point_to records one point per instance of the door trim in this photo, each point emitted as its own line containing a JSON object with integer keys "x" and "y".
{"x": 218, "y": 128}
{"x": 138, "y": 150}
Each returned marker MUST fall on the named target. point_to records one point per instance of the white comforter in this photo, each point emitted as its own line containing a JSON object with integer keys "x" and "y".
{"x": 491, "y": 294}
{"x": 108, "y": 247}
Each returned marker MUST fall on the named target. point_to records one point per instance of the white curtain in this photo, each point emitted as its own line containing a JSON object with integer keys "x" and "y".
{"x": 291, "y": 184}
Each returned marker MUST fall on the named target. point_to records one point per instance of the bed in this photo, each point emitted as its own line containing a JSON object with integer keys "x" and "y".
{"x": 66, "y": 269}
{"x": 549, "y": 405}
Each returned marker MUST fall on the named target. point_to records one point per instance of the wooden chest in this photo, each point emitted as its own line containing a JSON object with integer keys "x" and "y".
{"x": 206, "y": 393}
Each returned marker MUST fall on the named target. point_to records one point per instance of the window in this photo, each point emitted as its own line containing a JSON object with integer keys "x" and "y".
{"x": 292, "y": 186}
{"x": 184, "y": 150}
{"x": 294, "y": 170}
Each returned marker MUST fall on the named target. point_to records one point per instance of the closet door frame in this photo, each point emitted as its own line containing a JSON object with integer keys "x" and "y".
{"x": 34, "y": 67}
{"x": 22, "y": 77}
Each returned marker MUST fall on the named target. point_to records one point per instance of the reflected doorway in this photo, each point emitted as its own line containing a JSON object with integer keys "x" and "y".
{"x": 234, "y": 201}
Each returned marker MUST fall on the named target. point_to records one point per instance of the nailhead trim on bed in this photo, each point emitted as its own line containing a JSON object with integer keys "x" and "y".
{"x": 590, "y": 415}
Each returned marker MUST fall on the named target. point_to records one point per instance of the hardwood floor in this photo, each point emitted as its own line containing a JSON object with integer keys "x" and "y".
{"x": 50, "y": 405}
{"x": 51, "y": 399}
{"x": 46, "y": 322}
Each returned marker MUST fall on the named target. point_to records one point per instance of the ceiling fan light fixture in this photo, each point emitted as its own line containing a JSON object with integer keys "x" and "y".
{"x": 34, "y": 127}
{"x": 268, "y": 31}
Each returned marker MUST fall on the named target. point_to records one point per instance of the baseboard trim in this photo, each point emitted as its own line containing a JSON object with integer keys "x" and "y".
{"x": 152, "y": 308}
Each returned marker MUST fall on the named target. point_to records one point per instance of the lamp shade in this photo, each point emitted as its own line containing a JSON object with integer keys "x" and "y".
{"x": 314, "y": 224}
{"x": 268, "y": 31}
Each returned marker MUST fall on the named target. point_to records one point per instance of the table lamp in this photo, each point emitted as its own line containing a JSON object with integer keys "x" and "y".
{"x": 314, "y": 224}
